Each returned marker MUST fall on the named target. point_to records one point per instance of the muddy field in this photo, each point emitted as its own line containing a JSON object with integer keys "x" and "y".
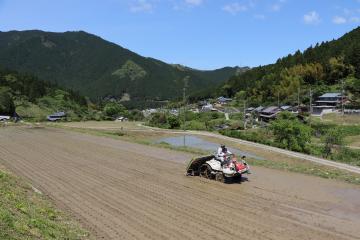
{"x": 122, "y": 190}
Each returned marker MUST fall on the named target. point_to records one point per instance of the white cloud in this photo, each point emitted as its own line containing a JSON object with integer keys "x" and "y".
{"x": 194, "y": 2}
{"x": 339, "y": 20}
{"x": 312, "y": 18}
{"x": 276, "y": 7}
{"x": 234, "y": 8}
{"x": 259, "y": 16}
{"x": 141, "y": 6}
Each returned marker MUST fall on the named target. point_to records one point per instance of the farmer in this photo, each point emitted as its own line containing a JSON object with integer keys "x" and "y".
{"x": 221, "y": 153}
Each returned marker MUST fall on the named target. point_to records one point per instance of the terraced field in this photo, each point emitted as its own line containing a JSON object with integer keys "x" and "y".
{"x": 123, "y": 190}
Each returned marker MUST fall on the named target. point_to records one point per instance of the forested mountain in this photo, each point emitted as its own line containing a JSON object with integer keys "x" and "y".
{"x": 34, "y": 99}
{"x": 98, "y": 68}
{"x": 323, "y": 67}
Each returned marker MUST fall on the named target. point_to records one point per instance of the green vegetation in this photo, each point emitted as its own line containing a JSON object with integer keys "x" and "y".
{"x": 7, "y": 105}
{"x": 322, "y": 140}
{"x": 323, "y": 67}
{"x": 193, "y": 121}
{"x": 112, "y": 109}
{"x": 332, "y": 139}
{"x": 290, "y": 133}
{"x": 25, "y": 214}
{"x": 34, "y": 99}
{"x": 97, "y": 68}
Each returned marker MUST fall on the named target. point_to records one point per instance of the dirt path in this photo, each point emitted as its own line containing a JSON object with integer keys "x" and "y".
{"x": 121, "y": 190}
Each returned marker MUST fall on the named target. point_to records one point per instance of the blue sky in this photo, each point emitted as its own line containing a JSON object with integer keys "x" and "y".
{"x": 203, "y": 34}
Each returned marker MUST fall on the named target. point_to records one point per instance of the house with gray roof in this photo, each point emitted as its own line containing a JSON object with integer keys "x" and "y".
{"x": 328, "y": 103}
{"x": 269, "y": 113}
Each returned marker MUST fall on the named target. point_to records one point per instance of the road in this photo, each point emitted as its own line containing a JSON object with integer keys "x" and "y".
{"x": 122, "y": 190}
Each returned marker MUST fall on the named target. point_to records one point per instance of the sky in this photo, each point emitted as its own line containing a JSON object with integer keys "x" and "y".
{"x": 203, "y": 34}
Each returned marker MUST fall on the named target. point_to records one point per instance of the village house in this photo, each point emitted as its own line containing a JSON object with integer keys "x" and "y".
{"x": 327, "y": 103}
{"x": 269, "y": 113}
{"x": 223, "y": 100}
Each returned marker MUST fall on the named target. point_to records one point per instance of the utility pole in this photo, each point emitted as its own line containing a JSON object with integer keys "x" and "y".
{"x": 310, "y": 107}
{"x": 298, "y": 98}
{"x": 342, "y": 98}
{"x": 278, "y": 99}
{"x": 186, "y": 79}
{"x": 244, "y": 114}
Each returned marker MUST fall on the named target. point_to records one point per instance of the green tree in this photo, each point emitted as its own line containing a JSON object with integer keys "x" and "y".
{"x": 291, "y": 133}
{"x": 136, "y": 115}
{"x": 333, "y": 139}
{"x": 158, "y": 119}
{"x": 353, "y": 85}
{"x": 113, "y": 109}
{"x": 6, "y": 103}
{"x": 173, "y": 121}
{"x": 338, "y": 70}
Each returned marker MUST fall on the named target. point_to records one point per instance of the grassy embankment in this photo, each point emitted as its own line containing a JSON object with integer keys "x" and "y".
{"x": 353, "y": 138}
{"x": 26, "y": 214}
{"x": 125, "y": 131}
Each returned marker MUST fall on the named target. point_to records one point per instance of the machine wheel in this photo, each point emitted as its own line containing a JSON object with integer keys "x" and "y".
{"x": 238, "y": 178}
{"x": 220, "y": 177}
{"x": 205, "y": 171}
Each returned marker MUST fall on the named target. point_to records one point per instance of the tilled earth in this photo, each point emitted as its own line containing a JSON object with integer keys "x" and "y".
{"x": 122, "y": 190}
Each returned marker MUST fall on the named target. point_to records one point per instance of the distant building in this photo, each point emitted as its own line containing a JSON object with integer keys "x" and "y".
{"x": 223, "y": 100}
{"x": 56, "y": 116}
{"x": 258, "y": 109}
{"x": 4, "y": 118}
{"x": 327, "y": 103}
{"x": 122, "y": 119}
{"x": 286, "y": 108}
{"x": 269, "y": 113}
{"x": 208, "y": 108}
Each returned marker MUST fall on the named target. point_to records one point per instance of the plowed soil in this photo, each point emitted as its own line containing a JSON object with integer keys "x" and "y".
{"x": 122, "y": 190}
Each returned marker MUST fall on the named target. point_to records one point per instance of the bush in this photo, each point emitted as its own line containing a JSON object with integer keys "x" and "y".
{"x": 158, "y": 120}
{"x": 112, "y": 109}
{"x": 237, "y": 116}
{"x": 259, "y": 136}
{"x": 237, "y": 125}
{"x": 136, "y": 115}
{"x": 173, "y": 121}
{"x": 195, "y": 125}
{"x": 334, "y": 138}
{"x": 290, "y": 133}
{"x": 346, "y": 155}
{"x": 7, "y": 105}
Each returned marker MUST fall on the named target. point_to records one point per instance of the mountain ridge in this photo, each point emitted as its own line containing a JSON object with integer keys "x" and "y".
{"x": 96, "y": 67}
{"x": 322, "y": 67}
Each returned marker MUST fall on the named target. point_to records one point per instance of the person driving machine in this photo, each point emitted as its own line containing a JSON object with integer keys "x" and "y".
{"x": 221, "y": 153}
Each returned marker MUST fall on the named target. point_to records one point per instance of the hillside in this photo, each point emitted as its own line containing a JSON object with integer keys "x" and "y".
{"x": 322, "y": 66}
{"x": 34, "y": 99}
{"x": 97, "y": 68}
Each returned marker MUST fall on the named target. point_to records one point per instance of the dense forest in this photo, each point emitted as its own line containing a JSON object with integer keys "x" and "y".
{"x": 98, "y": 68}
{"x": 323, "y": 67}
{"x": 34, "y": 99}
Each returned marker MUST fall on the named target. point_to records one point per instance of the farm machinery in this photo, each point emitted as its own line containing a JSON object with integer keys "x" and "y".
{"x": 211, "y": 167}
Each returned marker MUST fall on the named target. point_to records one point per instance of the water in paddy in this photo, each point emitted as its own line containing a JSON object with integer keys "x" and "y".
{"x": 199, "y": 143}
